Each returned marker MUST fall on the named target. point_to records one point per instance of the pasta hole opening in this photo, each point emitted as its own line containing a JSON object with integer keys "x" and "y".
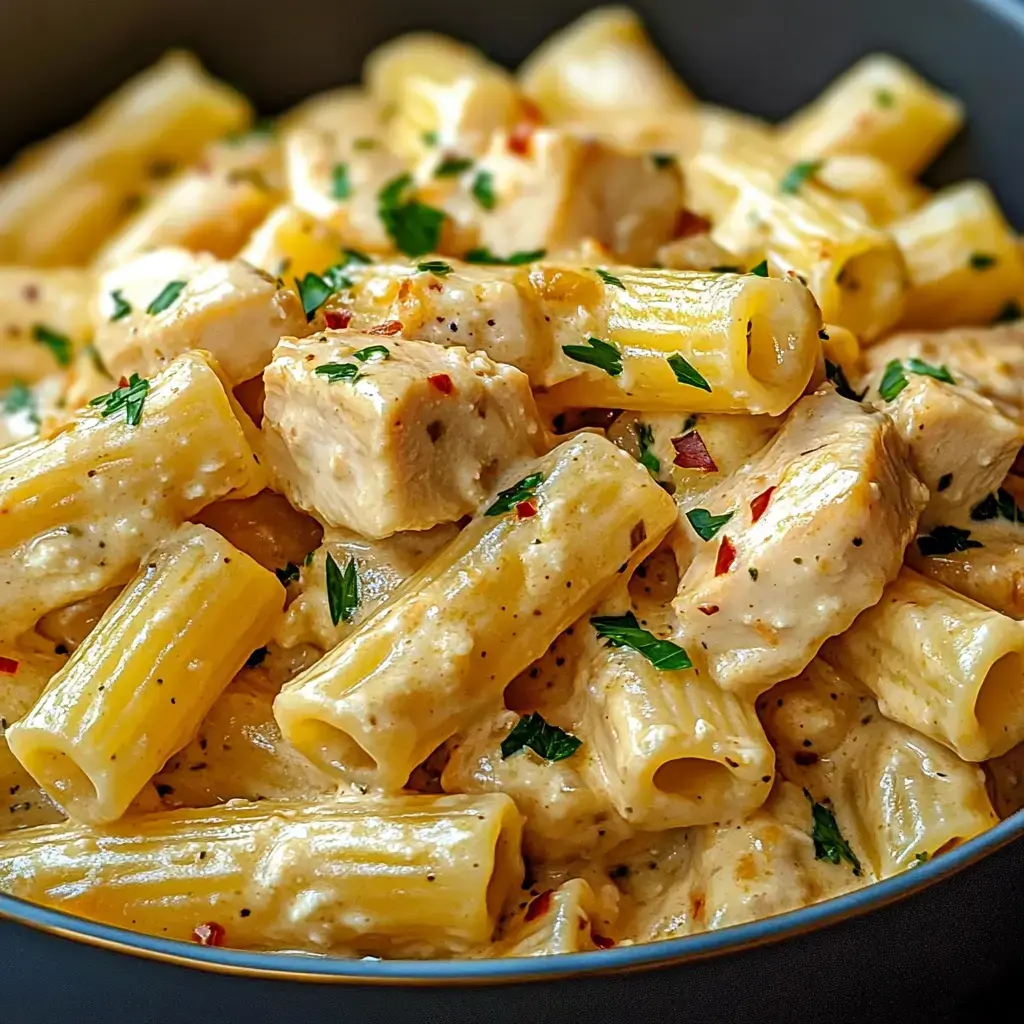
{"x": 765, "y": 358}
{"x": 869, "y": 292}
{"x": 999, "y": 707}
{"x": 333, "y": 749}
{"x": 68, "y": 786}
{"x": 693, "y": 778}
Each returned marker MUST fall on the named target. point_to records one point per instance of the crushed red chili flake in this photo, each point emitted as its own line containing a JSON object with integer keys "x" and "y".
{"x": 123, "y": 382}
{"x": 689, "y": 223}
{"x": 387, "y": 328}
{"x": 759, "y": 505}
{"x": 708, "y": 609}
{"x": 404, "y": 288}
{"x": 8, "y": 666}
{"x": 338, "y": 319}
{"x": 602, "y": 941}
{"x": 442, "y": 382}
{"x": 526, "y": 509}
{"x": 520, "y": 139}
{"x": 538, "y": 906}
{"x": 209, "y": 934}
{"x": 692, "y": 453}
{"x": 726, "y": 556}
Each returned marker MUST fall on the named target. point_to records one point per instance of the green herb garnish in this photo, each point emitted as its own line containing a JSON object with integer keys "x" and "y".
{"x": 686, "y": 374}
{"x": 338, "y": 371}
{"x": 837, "y": 375}
{"x": 430, "y": 138}
{"x": 945, "y": 540}
{"x": 20, "y": 398}
{"x": 167, "y": 297}
{"x": 452, "y": 165}
{"x": 798, "y": 175}
{"x": 483, "y": 190}
{"x": 645, "y": 439}
{"x": 342, "y": 589}
{"x": 609, "y": 278}
{"x": 314, "y": 291}
{"x": 894, "y": 378}
{"x": 663, "y": 160}
{"x": 375, "y": 352}
{"x": 122, "y": 307}
{"x": 130, "y": 397}
{"x": 704, "y": 524}
{"x": 550, "y": 742}
{"x": 1001, "y": 504}
{"x": 761, "y": 270}
{"x": 487, "y": 258}
{"x": 414, "y": 227}
{"x": 1008, "y": 314}
{"x": 59, "y": 344}
{"x": 982, "y": 261}
{"x": 885, "y": 98}
{"x": 438, "y": 267}
{"x": 602, "y": 354}
{"x": 341, "y": 187}
{"x": 625, "y": 631}
{"x": 524, "y": 490}
{"x": 726, "y": 270}
{"x": 829, "y": 843}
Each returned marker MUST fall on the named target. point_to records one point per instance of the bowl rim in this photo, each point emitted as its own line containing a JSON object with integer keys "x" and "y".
{"x": 301, "y": 967}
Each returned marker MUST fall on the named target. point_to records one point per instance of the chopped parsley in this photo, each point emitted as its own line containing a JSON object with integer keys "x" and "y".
{"x": 339, "y": 371}
{"x": 314, "y": 291}
{"x": 374, "y": 352}
{"x": 1008, "y": 314}
{"x": 59, "y": 344}
{"x": 20, "y": 398}
{"x": 486, "y": 257}
{"x": 761, "y": 270}
{"x": 645, "y": 439}
{"x": 430, "y": 138}
{"x": 837, "y": 375}
{"x": 982, "y": 261}
{"x": 122, "y": 307}
{"x": 289, "y": 574}
{"x": 438, "y": 267}
{"x": 263, "y": 128}
{"x": 483, "y": 190}
{"x": 945, "y": 540}
{"x": 1001, "y": 504}
{"x": 894, "y": 378}
{"x": 167, "y": 297}
{"x": 885, "y": 98}
{"x": 686, "y": 374}
{"x": 726, "y": 270}
{"x": 753, "y": 573}
{"x": 625, "y": 631}
{"x": 342, "y": 589}
{"x": 452, "y": 165}
{"x": 704, "y": 524}
{"x": 356, "y": 256}
{"x": 550, "y": 742}
{"x": 341, "y": 187}
{"x": 130, "y": 397}
{"x": 798, "y": 175}
{"x": 610, "y": 278}
{"x": 922, "y": 858}
{"x": 829, "y": 843}
{"x": 663, "y": 160}
{"x": 524, "y": 490}
{"x": 602, "y": 354}
{"x": 414, "y": 227}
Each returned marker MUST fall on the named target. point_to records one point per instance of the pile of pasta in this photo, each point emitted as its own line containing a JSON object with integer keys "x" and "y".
{"x": 478, "y": 514}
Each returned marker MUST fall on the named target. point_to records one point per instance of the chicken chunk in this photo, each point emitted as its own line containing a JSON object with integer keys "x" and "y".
{"x": 989, "y": 360}
{"x": 816, "y": 526}
{"x": 961, "y": 447}
{"x": 379, "y": 435}
{"x": 169, "y": 301}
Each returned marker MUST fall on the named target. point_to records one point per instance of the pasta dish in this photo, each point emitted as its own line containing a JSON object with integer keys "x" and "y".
{"x": 488, "y": 514}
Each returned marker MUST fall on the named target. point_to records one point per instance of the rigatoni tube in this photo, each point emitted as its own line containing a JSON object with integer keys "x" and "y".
{"x": 140, "y": 684}
{"x": 418, "y": 873}
{"x": 76, "y": 516}
{"x": 940, "y": 663}
{"x": 490, "y": 603}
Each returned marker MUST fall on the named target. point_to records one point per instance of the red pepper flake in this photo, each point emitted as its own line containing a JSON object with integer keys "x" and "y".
{"x": 520, "y": 139}
{"x": 526, "y": 509}
{"x": 442, "y": 382}
{"x": 689, "y": 223}
{"x": 436, "y": 286}
{"x": 387, "y": 328}
{"x": 123, "y": 382}
{"x": 31, "y": 293}
{"x": 338, "y": 319}
{"x": 708, "y": 609}
{"x": 208, "y": 934}
{"x": 8, "y": 666}
{"x": 602, "y": 941}
{"x": 759, "y": 505}
{"x": 726, "y": 556}
{"x": 403, "y": 289}
{"x": 539, "y": 906}
{"x": 692, "y": 453}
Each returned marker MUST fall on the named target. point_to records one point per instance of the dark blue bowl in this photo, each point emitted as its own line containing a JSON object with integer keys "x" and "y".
{"x": 915, "y": 947}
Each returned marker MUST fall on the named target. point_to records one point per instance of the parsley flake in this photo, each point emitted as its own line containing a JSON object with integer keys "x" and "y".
{"x": 485, "y": 257}
{"x": 761, "y": 270}
{"x": 837, "y": 375}
{"x": 430, "y": 138}
{"x": 375, "y": 352}
{"x": 20, "y": 398}
{"x": 414, "y": 227}
{"x": 945, "y": 540}
{"x": 663, "y": 160}
{"x": 610, "y": 278}
{"x": 798, "y": 175}
{"x": 483, "y": 190}
{"x": 167, "y": 297}
{"x": 982, "y": 261}
{"x": 356, "y": 256}
{"x": 524, "y": 490}
{"x": 704, "y": 524}
{"x": 550, "y": 742}
{"x": 686, "y": 374}
{"x": 727, "y": 269}
{"x": 130, "y": 397}
{"x": 602, "y": 354}
{"x": 341, "y": 187}
{"x": 829, "y": 843}
{"x": 342, "y": 590}
{"x": 450, "y": 166}
{"x": 338, "y": 371}
{"x": 438, "y": 267}
{"x": 122, "y": 307}
{"x": 314, "y": 291}
{"x": 645, "y": 439}
{"x": 625, "y": 631}
{"x": 1008, "y": 314}
{"x": 885, "y": 98}
{"x": 894, "y": 378}
{"x": 59, "y": 344}
{"x": 1001, "y": 504}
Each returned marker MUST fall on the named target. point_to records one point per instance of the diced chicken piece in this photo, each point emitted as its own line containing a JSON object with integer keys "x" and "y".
{"x": 961, "y": 447}
{"x": 817, "y": 526}
{"x": 177, "y": 301}
{"x": 382, "y": 566}
{"x": 44, "y": 319}
{"x": 379, "y": 435}
{"x": 989, "y": 360}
